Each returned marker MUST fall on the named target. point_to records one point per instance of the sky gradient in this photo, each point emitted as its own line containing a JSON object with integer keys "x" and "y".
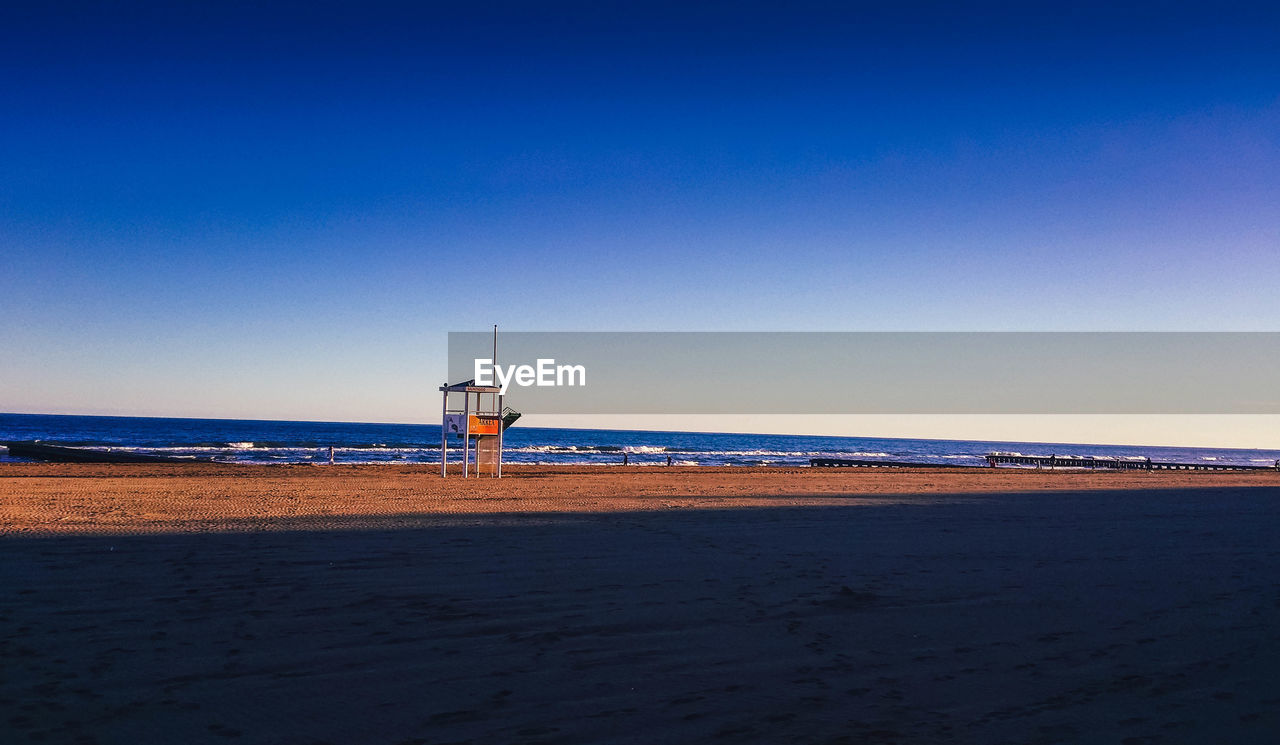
{"x": 278, "y": 211}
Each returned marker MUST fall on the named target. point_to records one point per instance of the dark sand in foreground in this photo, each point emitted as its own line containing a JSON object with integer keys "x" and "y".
{"x": 377, "y": 605}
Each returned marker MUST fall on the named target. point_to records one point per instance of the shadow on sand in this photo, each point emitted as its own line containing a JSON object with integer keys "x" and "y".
{"x": 1149, "y": 616}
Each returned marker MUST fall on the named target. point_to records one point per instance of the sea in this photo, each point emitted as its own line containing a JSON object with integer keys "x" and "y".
{"x": 249, "y": 441}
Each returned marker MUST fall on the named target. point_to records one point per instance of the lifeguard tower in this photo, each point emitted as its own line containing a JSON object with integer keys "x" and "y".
{"x": 478, "y": 422}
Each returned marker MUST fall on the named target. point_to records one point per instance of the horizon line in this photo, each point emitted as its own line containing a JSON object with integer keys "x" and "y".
{"x": 648, "y": 431}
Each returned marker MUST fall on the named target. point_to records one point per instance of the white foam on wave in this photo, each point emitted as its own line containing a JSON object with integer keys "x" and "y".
{"x": 380, "y": 449}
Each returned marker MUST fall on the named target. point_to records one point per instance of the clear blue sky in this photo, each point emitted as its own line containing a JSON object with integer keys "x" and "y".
{"x": 271, "y": 211}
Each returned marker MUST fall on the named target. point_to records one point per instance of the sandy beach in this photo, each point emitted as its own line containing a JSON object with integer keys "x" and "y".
{"x": 381, "y": 604}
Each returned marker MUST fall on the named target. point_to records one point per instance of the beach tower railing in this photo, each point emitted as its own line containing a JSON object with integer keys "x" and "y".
{"x": 474, "y": 414}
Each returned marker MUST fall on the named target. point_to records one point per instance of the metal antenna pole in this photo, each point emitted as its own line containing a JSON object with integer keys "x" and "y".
{"x": 497, "y": 469}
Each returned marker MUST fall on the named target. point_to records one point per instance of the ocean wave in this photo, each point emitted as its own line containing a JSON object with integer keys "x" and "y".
{"x": 573, "y": 449}
{"x": 560, "y": 449}
{"x": 388, "y": 452}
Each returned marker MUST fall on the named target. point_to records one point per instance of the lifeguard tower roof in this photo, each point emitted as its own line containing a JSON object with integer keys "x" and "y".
{"x": 469, "y": 386}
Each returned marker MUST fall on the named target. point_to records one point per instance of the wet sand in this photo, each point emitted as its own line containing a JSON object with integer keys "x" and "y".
{"x": 383, "y": 605}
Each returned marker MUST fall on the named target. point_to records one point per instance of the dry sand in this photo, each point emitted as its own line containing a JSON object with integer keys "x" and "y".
{"x": 383, "y": 605}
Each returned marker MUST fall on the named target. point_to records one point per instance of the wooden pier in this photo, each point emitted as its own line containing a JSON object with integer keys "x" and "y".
{"x": 854, "y": 463}
{"x": 1049, "y": 461}
{"x": 60, "y": 454}
{"x": 1115, "y": 464}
